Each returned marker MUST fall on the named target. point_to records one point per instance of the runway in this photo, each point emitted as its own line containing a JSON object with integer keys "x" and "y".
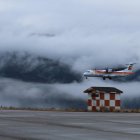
{"x": 45, "y": 125}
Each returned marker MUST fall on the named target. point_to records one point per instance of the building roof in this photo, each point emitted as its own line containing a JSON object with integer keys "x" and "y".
{"x": 103, "y": 89}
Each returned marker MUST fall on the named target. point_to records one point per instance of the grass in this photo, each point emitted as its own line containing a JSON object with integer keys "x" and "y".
{"x": 66, "y": 110}
{"x": 41, "y": 109}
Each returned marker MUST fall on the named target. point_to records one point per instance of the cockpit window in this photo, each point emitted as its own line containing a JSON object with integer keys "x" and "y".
{"x": 88, "y": 71}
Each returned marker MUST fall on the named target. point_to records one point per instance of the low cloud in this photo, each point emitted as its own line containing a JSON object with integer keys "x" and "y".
{"x": 22, "y": 94}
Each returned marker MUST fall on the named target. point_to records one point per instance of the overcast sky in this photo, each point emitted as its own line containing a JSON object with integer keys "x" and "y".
{"x": 91, "y": 32}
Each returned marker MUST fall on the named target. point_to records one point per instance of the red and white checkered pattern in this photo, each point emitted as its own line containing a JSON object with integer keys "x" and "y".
{"x": 104, "y": 101}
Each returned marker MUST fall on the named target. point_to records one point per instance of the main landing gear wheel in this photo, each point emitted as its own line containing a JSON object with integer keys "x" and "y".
{"x": 103, "y": 78}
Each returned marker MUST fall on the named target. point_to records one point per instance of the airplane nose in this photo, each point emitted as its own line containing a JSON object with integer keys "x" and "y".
{"x": 85, "y": 74}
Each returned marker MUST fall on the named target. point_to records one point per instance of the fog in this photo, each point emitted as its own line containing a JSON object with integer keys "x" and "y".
{"x": 91, "y": 32}
{"x": 83, "y": 34}
{"x": 36, "y": 95}
{"x": 22, "y": 94}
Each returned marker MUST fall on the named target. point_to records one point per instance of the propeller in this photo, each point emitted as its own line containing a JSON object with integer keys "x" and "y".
{"x": 107, "y": 70}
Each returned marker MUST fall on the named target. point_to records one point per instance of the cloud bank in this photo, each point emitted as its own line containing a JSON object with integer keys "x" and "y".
{"x": 83, "y": 34}
{"x": 35, "y": 95}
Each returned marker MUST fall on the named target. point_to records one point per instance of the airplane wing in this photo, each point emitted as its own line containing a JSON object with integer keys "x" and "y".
{"x": 111, "y": 70}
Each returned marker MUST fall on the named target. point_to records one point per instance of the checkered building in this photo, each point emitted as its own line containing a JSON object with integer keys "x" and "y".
{"x": 103, "y": 99}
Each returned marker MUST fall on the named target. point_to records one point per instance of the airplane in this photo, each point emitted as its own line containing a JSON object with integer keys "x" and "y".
{"x": 110, "y": 72}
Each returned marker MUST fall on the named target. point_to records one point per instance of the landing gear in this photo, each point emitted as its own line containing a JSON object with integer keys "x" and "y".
{"x": 86, "y": 77}
{"x": 107, "y": 77}
{"x": 110, "y": 78}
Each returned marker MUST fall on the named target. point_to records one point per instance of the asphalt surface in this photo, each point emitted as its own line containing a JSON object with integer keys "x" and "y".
{"x": 43, "y": 125}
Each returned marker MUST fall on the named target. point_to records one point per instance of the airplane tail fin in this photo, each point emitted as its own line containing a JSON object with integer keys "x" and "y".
{"x": 130, "y": 66}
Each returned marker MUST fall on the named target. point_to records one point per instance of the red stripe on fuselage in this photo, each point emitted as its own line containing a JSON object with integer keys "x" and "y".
{"x": 117, "y": 72}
